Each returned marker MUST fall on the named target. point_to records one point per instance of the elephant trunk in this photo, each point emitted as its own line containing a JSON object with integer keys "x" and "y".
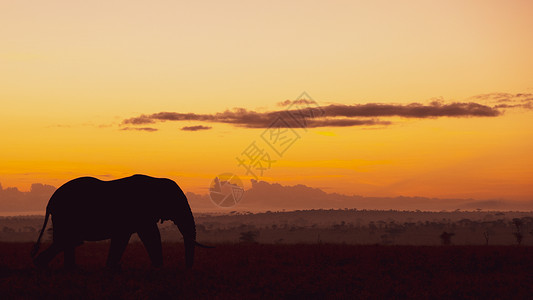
{"x": 189, "y": 252}
{"x": 187, "y": 228}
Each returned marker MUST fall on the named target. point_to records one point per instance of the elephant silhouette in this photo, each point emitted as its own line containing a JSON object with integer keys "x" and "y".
{"x": 89, "y": 209}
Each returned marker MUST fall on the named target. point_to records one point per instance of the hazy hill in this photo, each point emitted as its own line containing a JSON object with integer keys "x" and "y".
{"x": 264, "y": 196}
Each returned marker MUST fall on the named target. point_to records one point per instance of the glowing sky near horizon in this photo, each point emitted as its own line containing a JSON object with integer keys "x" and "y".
{"x": 72, "y": 71}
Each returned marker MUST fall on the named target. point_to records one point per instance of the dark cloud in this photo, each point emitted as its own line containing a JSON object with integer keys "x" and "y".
{"x": 195, "y": 128}
{"x": 413, "y": 110}
{"x": 149, "y": 129}
{"x": 334, "y": 115}
{"x": 143, "y": 119}
{"x": 313, "y": 123}
{"x": 299, "y": 101}
{"x": 238, "y": 116}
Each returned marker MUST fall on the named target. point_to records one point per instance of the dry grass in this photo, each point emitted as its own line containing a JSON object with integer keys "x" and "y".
{"x": 276, "y": 271}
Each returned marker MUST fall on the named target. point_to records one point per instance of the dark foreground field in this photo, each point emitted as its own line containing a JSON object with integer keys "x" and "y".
{"x": 274, "y": 271}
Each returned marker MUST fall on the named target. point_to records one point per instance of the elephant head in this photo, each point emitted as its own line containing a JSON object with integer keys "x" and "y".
{"x": 180, "y": 213}
{"x": 185, "y": 222}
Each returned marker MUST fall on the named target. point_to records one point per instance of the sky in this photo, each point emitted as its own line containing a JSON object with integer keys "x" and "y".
{"x": 420, "y": 98}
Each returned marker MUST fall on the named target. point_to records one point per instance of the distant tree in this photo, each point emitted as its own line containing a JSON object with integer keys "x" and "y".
{"x": 372, "y": 227}
{"x": 249, "y": 237}
{"x": 487, "y": 234}
{"x": 8, "y": 229}
{"x": 518, "y": 224}
{"x": 340, "y": 226}
{"x": 518, "y": 233}
{"x": 381, "y": 224}
{"x": 518, "y": 236}
{"x": 464, "y": 222}
{"x": 527, "y": 220}
{"x": 393, "y": 232}
{"x": 446, "y": 238}
{"x": 29, "y": 229}
{"x": 386, "y": 239}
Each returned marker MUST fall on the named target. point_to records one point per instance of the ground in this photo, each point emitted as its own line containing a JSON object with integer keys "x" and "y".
{"x": 277, "y": 271}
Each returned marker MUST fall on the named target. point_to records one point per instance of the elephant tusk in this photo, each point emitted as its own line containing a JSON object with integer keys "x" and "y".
{"x": 203, "y": 246}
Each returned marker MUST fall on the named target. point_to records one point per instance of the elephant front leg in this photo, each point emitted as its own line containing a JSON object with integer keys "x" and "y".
{"x": 70, "y": 257}
{"x": 151, "y": 239}
{"x": 118, "y": 245}
{"x": 42, "y": 260}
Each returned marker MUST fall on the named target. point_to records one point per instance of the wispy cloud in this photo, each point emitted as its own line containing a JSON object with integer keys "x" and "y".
{"x": 149, "y": 129}
{"x": 298, "y": 101}
{"x": 195, "y": 128}
{"x": 507, "y": 100}
{"x": 505, "y": 97}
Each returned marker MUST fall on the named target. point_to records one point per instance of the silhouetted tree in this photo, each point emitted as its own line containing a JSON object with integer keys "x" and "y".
{"x": 8, "y": 229}
{"x": 487, "y": 234}
{"x": 464, "y": 222}
{"x": 29, "y": 229}
{"x": 446, "y": 238}
{"x": 518, "y": 234}
{"x": 249, "y": 237}
{"x": 393, "y": 232}
{"x": 372, "y": 227}
{"x": 386, "y": 239}
{"x": 518, "y": 224}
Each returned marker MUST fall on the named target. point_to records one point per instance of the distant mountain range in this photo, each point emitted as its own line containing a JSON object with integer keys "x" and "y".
{"x": 274, "y": 196}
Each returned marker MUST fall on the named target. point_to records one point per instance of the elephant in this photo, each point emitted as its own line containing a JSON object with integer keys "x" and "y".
{"x": 89, "y": 209}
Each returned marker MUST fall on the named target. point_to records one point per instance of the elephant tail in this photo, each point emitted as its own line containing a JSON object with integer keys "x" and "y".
{"x": 35, "y": 248}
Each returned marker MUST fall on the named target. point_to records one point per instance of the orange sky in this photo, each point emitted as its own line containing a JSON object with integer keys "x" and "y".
{"x": 72, "y": 71}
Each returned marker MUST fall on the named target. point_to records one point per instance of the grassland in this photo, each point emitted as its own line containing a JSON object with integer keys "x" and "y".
{"x": 248, "y": 271}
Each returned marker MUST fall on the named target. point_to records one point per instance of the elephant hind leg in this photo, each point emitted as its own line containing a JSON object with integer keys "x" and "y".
{"x": 151, "y": 239}
{"x": 43, "y": 259}
{"x": 116, "y": 249}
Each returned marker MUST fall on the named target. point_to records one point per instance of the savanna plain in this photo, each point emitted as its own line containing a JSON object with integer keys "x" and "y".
{"x": 346, "y": 254}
